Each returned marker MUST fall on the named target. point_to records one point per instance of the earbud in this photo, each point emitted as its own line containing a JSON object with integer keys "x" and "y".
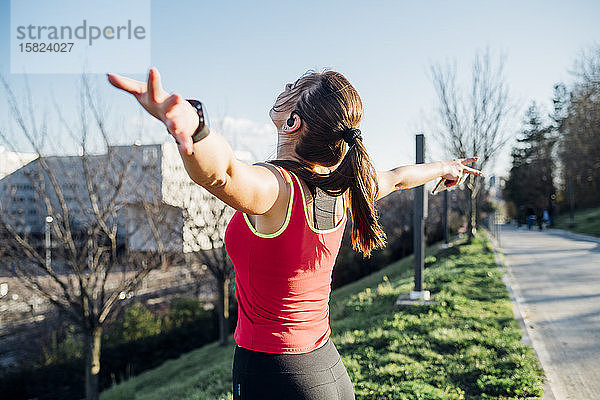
{"x": 290, "y": 121}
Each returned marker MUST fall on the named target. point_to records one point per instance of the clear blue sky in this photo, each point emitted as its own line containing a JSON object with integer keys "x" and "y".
{"x": 237, "y": 56}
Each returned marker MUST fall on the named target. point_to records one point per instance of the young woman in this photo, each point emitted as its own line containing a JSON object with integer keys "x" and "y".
{"x": 286, "y": 233}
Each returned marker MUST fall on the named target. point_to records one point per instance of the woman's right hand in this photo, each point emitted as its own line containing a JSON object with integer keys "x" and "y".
{"x": 174, "y": 111}
{"x": 454, "y": 170}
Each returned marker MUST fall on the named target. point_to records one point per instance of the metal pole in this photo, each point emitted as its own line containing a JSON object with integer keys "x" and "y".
{"x": 499, "y": 227}
{"x": 49, "y": 220}
{"x": 496, "y": 225}
{"x": 419, "y": 228}
{"x": 446, "y": 218}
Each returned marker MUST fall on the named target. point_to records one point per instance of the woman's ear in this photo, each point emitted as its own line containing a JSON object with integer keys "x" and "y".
{"x": 292, "y": 124}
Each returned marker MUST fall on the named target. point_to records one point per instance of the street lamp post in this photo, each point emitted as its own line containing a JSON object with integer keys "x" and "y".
{"x": 419, "y": 227}
{"x": 49, "y": 220}
{"x": 418, "y": 295}
{"x": 446, "y": 241}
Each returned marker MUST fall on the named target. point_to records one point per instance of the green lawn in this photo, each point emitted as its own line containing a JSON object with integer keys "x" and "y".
{"x": 465, "y": 347}
{"x": 586, "y": 222}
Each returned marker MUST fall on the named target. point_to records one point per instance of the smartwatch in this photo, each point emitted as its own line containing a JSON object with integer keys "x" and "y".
{"x": 202, "y": 131}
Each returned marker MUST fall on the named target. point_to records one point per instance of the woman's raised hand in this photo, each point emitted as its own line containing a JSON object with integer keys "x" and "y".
{"x": 455, "y": 169}
{"x": 174, "y": 111}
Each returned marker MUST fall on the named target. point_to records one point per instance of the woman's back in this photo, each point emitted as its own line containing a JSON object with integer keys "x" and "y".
{"x": 283, "y": 279}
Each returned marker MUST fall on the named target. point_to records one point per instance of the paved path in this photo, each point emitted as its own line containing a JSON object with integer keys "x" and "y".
{"x": 556, "y": 281}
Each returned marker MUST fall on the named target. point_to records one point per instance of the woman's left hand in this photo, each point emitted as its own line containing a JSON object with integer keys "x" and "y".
{"x": 178, "y": 115}
{"x": 454, "y": 170}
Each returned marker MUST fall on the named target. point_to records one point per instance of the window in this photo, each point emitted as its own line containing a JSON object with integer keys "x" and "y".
{"x": 150, "y": 155}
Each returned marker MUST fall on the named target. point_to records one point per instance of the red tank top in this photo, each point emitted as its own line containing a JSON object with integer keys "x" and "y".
{"x": 283, "y": 280}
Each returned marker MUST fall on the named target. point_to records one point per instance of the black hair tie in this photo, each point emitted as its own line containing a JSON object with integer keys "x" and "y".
{"x": 350, "y": 135}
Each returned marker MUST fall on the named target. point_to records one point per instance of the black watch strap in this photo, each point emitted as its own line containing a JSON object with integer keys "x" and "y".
{"x": 202, "y": 131}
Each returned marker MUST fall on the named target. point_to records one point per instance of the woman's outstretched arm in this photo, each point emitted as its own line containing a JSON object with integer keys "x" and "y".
{"x": 210, "y": 163}
{"x": 409, "y": 176}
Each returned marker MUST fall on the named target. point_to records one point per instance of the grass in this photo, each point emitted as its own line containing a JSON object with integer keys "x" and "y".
{"x": 467, "y": 346}
{"x": 586, "y": 222}
{"x": 201, "y": 374}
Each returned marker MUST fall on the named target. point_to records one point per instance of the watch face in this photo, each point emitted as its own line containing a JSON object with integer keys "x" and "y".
{"x": 205, "y": 116}
{"x": 201, "y": 113}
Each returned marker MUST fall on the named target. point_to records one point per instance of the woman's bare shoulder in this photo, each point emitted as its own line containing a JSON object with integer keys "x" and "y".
{"x": 284, "y": 181}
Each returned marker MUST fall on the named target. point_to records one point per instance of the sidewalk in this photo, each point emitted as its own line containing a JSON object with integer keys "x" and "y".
{"x": 555, "y": 280}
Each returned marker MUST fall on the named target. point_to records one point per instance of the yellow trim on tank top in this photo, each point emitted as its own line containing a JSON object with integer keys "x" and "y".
{"x": 285, "y": 223}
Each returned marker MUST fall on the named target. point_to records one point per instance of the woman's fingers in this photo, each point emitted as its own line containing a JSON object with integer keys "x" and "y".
{"x": 174, "y": 119}
{"x": 473, "y": 171}
{"x": 469, "y": 160}
{"x": 160, "y": 104}
{"x": 127, "y": 84}
{"x": 171, "y": 113}
{"x": 154, "y": 88}
{"x": 457, "y": 172}
{"x": 170, "y": 102}
{"x": 185, "y": 143}
{"x": 137, "y": 88}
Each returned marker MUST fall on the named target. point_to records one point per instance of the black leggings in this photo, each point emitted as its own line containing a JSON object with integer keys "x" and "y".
{"x": 318, "y": 375}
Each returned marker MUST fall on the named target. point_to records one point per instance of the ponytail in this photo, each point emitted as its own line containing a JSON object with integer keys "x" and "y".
{"x": 330, "y": 109}
{"x": 367, "y": 234}
{"x": 357, "y": 175}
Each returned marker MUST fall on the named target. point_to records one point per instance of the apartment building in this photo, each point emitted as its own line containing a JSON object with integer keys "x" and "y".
{"x": 152, "y": 181}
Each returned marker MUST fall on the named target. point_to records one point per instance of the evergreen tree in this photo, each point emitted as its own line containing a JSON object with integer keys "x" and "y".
{"x": 531, "y": 181}
{"x": 578, "y": 124}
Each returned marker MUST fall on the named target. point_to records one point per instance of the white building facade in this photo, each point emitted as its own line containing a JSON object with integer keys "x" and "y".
{"x": 152, "y": 179}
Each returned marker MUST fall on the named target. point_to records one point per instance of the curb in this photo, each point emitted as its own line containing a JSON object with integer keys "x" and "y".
{"x": 508, "y": 278}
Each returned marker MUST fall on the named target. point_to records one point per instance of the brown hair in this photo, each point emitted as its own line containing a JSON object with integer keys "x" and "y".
{"x": 329, "y": 106}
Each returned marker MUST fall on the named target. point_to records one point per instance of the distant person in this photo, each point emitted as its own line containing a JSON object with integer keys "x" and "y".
{"x": 286, "y": 233}
{"x": 521, "y": 217}
{"x": 546, "y": 217}
{"x": 550, "y": 212}
{"x": 530, "y": 218}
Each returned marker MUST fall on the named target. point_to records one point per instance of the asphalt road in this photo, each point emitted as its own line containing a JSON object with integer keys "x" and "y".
{"x": 555, "y": 277}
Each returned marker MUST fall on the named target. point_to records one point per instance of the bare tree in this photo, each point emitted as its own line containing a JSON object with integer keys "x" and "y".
{"x": 204, "y": 227}
{"x": 205, "y": 219}
{"x": 473, "y": 123}
{"x": 95, "y": 205}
